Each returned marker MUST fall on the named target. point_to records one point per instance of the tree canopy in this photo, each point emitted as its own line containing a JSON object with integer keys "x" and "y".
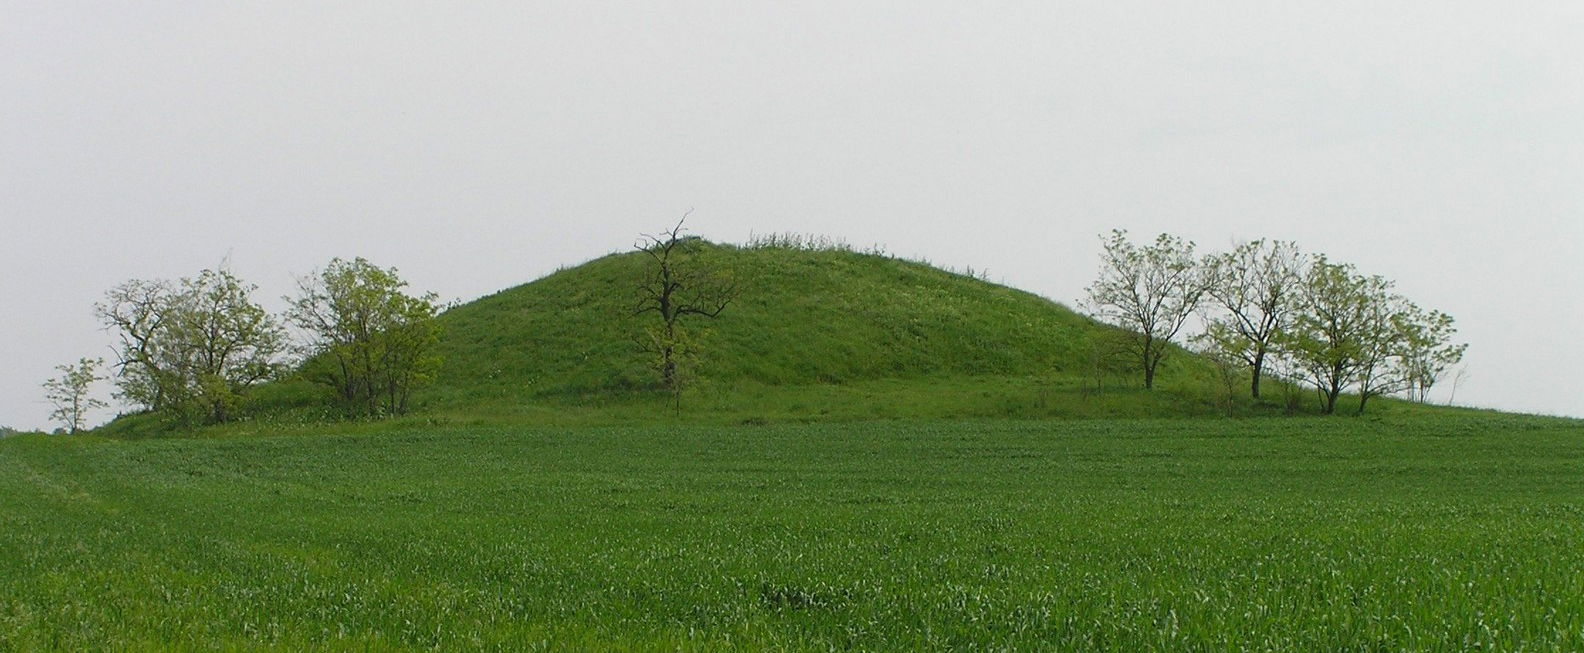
{"x": 1150, "y": 290}
{"x": 367, "y": 339}
{"x": 191, "y": 349}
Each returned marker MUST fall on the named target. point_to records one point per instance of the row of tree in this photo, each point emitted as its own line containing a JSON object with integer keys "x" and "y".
{"x": 192, "y": 349}
{"x": 1325, "y": 323}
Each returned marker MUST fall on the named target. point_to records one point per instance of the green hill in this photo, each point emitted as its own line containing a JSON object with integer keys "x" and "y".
{"x": 814, "y": 333}
{"x": 802, "y": 317}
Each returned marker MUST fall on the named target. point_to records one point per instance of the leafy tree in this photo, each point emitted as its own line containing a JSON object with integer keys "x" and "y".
{"x": 1352, "y": 331}
{"x": 1427, "y": 349}
{"x": 1409, "y": 349}
{"x": 230, "y": 342}
{"x": 1384, "y": 339}
{"x": 1326, "y": 341}
{"x": 679, "y": 283}
{"x": 191, "y": 349}
{"x": 1150, "y": 291}
{"x": 1253, "y": 288}
{"x": 70, "y": 393}
{"x": 1349, "y": 331}
{"x": 369, "y": 340}
{"x": 148, "y": 372}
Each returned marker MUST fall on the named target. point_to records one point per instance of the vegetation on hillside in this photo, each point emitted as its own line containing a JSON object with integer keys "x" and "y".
{"x": 366, "y": 340}
{"x": 1325, "y": 323}
{"x": 810, "y": 317}
{"x": 195, "y": 351}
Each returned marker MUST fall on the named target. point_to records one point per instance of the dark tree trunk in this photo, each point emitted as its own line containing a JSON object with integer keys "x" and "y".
{"x": 1150, "y": 360}
{"x": 668, "y": 365}
{"x": 1259, "y": 367}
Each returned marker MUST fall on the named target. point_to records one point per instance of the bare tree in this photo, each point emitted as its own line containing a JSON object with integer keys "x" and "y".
{"x": 70, "y": 393}
{"x": 1457, "y": 382}
{"x": 678, "y": 284}
{"x": 1253, "y": 288}
{"x": 1150, "y": 291}
{"x": 1287, "y": 374}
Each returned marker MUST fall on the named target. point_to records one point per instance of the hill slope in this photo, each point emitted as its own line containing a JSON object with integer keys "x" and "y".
{"x": 803, "y": 318}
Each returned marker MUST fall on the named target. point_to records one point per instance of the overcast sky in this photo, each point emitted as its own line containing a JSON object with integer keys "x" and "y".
{"x": 478, "y": 146}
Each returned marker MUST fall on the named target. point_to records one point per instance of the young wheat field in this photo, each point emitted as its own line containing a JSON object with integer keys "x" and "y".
{"x": 1456, "y": 532}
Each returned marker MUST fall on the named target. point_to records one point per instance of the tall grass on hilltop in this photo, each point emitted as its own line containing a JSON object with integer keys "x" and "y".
{"x": 805, "y": 243}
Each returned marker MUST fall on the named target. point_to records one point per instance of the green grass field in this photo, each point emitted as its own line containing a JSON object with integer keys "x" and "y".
{"x": 1448, "y": 531}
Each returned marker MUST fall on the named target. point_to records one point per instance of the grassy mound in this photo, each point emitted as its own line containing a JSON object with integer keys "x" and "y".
{"x": 815, "y": 335}
{"x": 805, "y": 318}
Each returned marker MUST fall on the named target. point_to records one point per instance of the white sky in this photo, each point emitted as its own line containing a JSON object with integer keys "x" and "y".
{"x": 479, "y": 146}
